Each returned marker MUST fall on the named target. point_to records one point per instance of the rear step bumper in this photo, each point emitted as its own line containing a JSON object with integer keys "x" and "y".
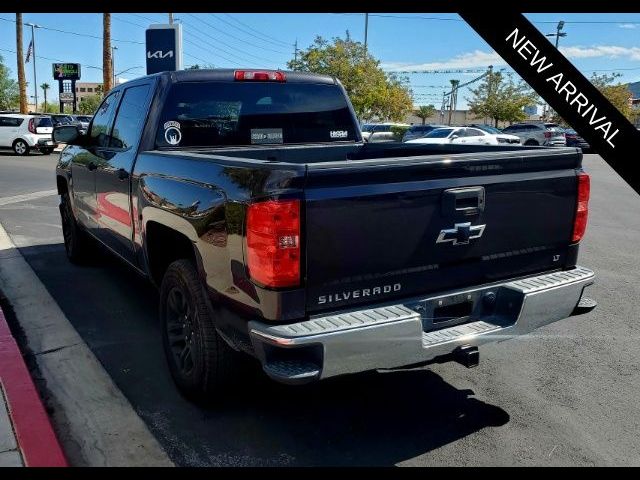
{"x": 395, "y": 335}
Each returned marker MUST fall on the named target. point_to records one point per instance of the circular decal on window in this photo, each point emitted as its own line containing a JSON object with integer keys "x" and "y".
{"x": 172, "y": 134}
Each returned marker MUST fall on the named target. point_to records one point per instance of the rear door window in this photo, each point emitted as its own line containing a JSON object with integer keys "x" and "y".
{"x": 127, "y": 127}
{"x": 101, "y": 125}
{"x": 209, "y": 114}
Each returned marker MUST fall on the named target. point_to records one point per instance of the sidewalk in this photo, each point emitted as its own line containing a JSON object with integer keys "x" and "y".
{"x": 26, "y": 435}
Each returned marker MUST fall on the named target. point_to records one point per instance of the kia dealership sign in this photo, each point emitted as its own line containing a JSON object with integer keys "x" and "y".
{"x": 164, "y": 48}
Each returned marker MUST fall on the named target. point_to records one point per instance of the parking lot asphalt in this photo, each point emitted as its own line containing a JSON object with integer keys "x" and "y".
{"x": 564, "y": 395}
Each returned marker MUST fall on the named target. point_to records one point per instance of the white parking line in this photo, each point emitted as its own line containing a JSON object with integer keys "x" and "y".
{"x": 95, "y": 423}
{"x": 25, "y": 197}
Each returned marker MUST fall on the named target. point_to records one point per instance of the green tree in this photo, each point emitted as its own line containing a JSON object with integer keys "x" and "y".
{"x": 501, "y": 98}
{"x": 9, "y": 92}
{"x": 48, "y": 108}
{"x": 45, "y": 86}
{"x": 89, "y": 104}
{"x": 425, "y": 111}
{"x": 617, "y": 93}
{"x": 373, "y": 92}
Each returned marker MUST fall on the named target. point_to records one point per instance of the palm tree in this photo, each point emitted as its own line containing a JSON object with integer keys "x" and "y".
{"x": 22, "y": 85}
{"x": 45, "y": 87}
{"x": 107, "y": 72}
{"x": 425, "y": 111}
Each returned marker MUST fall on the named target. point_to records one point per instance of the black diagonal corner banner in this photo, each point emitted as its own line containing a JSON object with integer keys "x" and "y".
{"x": 564, "y": 88}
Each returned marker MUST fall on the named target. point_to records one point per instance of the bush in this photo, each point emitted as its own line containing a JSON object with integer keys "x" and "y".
{"x": 398, "y": 131}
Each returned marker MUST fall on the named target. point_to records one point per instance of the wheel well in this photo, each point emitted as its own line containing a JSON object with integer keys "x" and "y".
{"x": 164, "y": 246}
{"x": 62, "y": 185}
{"x": 21, "y": 140}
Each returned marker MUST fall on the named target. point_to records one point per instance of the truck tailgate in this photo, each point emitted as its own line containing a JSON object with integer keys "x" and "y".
{"x": 382, "y": 229}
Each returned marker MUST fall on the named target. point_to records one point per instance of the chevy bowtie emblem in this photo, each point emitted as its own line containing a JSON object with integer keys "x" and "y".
{"x": 461, "y": 233}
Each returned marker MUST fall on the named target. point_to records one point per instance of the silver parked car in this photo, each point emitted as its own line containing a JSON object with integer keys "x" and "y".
{"x": 547, "y": 134}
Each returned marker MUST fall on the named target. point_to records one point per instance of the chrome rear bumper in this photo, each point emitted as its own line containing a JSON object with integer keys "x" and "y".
{"x": 395, "y": 335}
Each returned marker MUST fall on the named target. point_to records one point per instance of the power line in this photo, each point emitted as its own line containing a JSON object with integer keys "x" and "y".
{"x": 248, "y": 33}
{"x": 268, "y": 38}
{"x": 210, "y": 46}
{"x": 224, "y": 43}
{"x": 48, "y": 58}
{"x": 186, "y": 40}
{"x": 76, "y": 33}
{"x": 451, "y": 19}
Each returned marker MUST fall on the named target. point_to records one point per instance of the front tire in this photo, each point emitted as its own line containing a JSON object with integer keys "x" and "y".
{"x": 200, "y": 361}
{"x": 21, "y": 148}
{"x": 531, "y": 143}
{"x": 77, "y": 243}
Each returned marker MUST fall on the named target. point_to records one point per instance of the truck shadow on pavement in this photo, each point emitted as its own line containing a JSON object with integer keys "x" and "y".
{"x": 366, "y": 419}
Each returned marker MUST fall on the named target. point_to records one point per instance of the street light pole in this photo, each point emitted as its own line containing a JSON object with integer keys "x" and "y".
{"x": 113, "y": 63}
{"x": 33, "y": 46}
{"x": 559, "y": 33}
{"x": 366, "y": 30}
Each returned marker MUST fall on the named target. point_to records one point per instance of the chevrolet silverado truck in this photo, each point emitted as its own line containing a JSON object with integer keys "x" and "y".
{"x": 272, "y": 230}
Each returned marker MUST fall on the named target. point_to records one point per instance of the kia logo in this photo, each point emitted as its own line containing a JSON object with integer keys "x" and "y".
{"x": 159, "y": 54}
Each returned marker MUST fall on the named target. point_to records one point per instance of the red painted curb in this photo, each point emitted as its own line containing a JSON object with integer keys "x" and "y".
{"x": 35, "y": 436}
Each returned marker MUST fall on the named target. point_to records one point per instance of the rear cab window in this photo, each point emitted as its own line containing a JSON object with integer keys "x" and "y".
{"x": 44, "y": 122}
{"x": 227, "y": 113}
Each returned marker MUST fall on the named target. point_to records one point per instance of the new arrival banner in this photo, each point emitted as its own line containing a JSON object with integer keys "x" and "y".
{"x": 564, "y": 88}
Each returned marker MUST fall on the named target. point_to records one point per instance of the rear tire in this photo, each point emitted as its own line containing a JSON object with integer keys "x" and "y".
{"x": 21, "y": 148}
{"x": 46, "y": 151}
{"x": 200, "y": 361}
{"x": 77, "y": 243}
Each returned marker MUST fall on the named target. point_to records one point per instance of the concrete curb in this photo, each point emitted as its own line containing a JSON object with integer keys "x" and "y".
{"x": 96, "y": 424}
{"x": 34, "y": 434}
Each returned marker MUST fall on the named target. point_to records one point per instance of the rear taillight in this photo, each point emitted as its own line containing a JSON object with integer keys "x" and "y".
{"x": 259, "y": 76}
{"x": 32, "y": 125}
{"x": 547, "y": 134}
{"x": 582, "y": 207}
{"x": 273, "y": 242}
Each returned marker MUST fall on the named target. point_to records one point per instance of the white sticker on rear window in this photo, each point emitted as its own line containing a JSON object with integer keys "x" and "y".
{"x": 338, "y": 134}
{"x": 172, "y": 134}
{"x": 266, "y": 135}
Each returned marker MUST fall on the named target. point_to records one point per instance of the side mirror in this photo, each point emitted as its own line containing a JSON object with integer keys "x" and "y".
{"x": 69, "y": 134}
{"x": 453, "y": 137}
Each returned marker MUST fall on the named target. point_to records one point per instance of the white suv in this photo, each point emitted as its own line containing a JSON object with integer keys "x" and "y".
{"x": 24, "y": 133}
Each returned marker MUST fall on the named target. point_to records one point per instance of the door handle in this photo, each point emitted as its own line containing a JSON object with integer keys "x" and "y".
{"x": 92, "y": 166}
{"x": 463, "y": 201}
{"x": 122, "y": 174}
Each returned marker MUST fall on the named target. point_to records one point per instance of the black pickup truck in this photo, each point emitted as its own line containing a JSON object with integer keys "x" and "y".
{"x": 271, "y": 229}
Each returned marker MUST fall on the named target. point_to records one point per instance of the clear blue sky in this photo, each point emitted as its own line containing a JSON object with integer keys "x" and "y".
{"x": 401, "y": 41}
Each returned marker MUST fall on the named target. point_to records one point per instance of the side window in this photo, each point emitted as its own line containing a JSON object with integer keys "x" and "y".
{"x": 10, "y": 122}
{"x": 130, "y": 118}
{"x": 102, "y": 120}
{"x": 473, "y": 132}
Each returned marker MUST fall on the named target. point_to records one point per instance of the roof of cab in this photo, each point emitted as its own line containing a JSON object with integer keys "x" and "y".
{"x": 227, "y": 74}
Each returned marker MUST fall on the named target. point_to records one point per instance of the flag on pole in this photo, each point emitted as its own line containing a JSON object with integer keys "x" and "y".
{"x": 29, "y": 51}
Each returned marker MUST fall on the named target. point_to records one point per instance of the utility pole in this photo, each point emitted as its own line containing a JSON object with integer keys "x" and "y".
{"x": 295, "y": 55}
{"x": 171, "y": 19}
{"x": 33, "y": 51}
{"x": 22, "y": 84}
{"x": 453, "y": 99}
{"x": 366, "y": 30}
